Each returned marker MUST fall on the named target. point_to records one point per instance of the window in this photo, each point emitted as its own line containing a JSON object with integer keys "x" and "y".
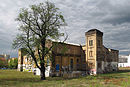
{"x": 90, "y": 42}
{"x": 77, "y": 60}
{"x": 26, "y": 60}
{"x": 47, "y": 62}
{"x": 71, "y": 64}
{"x": 91, "y": 65}
{"x": 90, "y": 53}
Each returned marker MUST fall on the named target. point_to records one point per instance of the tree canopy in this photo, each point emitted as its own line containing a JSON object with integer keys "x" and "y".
{"x": 38, "y": 24}
{"x": 13, "y": 63}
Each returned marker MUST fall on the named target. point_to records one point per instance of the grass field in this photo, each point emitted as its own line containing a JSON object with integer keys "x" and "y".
{"x": 13, "y": 78}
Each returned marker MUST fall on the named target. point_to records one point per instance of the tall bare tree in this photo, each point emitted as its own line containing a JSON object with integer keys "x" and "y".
{"x": 37, "y": 24}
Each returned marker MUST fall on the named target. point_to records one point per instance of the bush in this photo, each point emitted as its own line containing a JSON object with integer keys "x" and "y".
{"x": 13, "y": 63}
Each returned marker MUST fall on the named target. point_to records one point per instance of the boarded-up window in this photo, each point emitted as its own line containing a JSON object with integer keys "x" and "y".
{"x": 91, "y": 53}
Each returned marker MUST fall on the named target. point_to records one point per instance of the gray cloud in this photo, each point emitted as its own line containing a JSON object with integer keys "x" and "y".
{"x": 110, "y": 16}
{"x": 115, "y": 11}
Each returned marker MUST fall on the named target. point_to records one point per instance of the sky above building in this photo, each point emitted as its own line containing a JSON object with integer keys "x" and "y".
{"x": 112, "y": 17}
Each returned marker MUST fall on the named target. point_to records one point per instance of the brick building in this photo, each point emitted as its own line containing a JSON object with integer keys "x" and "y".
{"x": 92, "y": 58}
{"x": 3, "y": 60}
{"x": 5, "y": 56}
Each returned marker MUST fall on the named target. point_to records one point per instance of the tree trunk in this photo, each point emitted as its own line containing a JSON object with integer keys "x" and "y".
{"x": 42, "y": 59}
{"x": 43, "y": 73}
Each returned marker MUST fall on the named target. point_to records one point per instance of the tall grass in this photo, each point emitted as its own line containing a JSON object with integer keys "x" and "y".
{"x": 14, "y": 78}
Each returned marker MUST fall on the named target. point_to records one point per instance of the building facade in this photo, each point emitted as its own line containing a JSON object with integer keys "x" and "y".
{"x": 25, "y": 62}
{"x": 124, "y": 61}
{"x": 91, "y": 58}
{"x": 99, "y": 58}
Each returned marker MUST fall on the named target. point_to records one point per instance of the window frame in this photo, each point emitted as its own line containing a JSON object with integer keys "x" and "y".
{"x": 90, "y": 42}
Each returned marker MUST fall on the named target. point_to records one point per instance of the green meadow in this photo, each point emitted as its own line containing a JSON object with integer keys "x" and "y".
{"x": 14, "y": 78}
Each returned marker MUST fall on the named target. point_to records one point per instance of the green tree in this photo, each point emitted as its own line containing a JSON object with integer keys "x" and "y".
{"x": 1, "y": 64}
{"x": 38, "y": 24}
{"x": 13, "y": 63}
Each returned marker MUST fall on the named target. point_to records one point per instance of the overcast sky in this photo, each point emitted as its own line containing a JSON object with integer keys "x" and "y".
{"x": 109, "y": 16}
